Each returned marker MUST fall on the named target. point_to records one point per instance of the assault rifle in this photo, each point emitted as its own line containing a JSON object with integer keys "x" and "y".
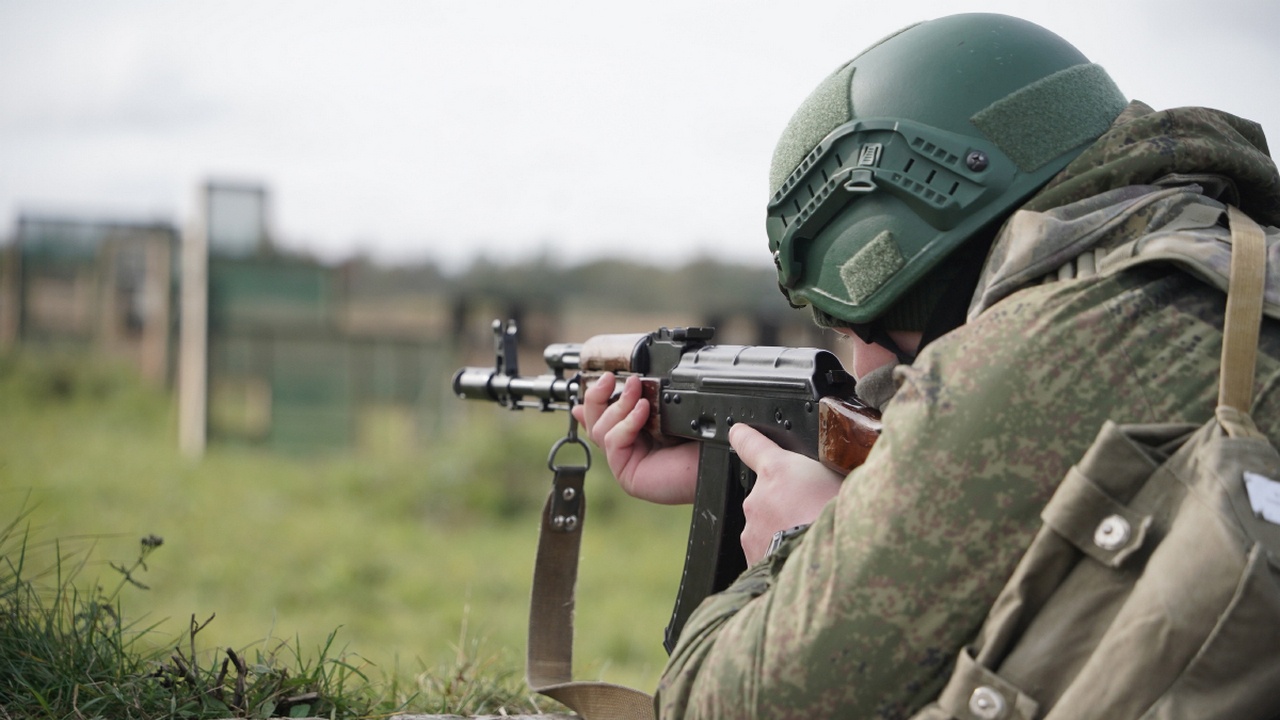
{"x": 801, "y": 398}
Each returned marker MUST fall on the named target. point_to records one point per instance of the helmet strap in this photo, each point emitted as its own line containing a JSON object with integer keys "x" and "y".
{"x": 874, "y": 333}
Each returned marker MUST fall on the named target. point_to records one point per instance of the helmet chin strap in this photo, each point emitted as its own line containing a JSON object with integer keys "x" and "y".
{"x": 873, "y": 333}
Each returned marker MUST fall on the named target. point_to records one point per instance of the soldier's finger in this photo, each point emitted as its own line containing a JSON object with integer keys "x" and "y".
{"x": 751, "y": 445}
{"x": 624, "y": 431}
{"x": 600, "y": 389}
{"x": 596, "y": 399}
{"x": 620, "y": 402}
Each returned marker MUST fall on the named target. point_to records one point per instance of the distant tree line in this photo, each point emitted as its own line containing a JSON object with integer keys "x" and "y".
{"x": 709, "y": 285}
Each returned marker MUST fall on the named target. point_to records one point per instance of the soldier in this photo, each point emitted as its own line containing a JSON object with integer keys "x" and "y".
{"x": 957, "y": 200}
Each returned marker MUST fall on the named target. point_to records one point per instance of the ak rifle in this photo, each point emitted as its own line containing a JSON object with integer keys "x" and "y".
{"x": 801, "y": 398}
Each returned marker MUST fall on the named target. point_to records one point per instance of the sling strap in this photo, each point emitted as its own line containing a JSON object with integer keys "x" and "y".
{"x": 549, "y": 663}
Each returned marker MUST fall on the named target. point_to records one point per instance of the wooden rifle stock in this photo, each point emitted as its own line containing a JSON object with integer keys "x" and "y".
{"x": 846, "y": 432}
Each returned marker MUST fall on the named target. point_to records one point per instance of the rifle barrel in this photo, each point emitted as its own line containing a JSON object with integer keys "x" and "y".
{"x": 541, "y": 392}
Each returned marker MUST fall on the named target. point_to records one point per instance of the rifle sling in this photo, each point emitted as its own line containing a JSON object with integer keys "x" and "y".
{"x": 549, "y": 668}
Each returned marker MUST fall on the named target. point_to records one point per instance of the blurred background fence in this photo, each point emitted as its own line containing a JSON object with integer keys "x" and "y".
{"x": 300, "y": 354}
{"x": 89, "y": 284}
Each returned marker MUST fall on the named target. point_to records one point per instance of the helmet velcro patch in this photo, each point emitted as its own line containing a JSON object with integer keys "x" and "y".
{"x": 826, "y": 108}
{"x": 1055, "y": 114}
{"x": 871, "y": 267}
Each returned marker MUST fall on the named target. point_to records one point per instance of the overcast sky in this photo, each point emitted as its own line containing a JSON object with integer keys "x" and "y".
{"x": 433, "y": 130}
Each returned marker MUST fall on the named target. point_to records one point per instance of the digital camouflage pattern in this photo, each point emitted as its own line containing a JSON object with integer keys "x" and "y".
{"x": 1144, "y": 146}
{"x": 1095, "y": 236}
{"x": 863, "y": 618}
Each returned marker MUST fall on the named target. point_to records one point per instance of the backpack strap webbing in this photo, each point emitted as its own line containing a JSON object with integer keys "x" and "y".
{"x": 1243, "y": 322}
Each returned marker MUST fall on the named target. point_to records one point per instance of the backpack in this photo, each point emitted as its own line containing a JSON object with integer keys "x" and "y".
{"x": 1152, "y": 590}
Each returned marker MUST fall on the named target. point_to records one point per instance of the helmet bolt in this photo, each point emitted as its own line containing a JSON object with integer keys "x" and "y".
{"x": 976, "y": 160}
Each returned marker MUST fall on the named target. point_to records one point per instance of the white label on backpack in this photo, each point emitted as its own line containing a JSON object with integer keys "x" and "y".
{"x": 1264, "y": 496}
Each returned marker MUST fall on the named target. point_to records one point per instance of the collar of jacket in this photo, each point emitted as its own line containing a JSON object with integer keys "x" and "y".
{"x": 1153, "y": 171}
{"x": 1143, "y": 146}
{"x": 1117, "y": 229}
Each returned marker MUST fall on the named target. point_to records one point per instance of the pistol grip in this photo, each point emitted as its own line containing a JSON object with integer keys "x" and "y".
{"x": 714, "y": 556}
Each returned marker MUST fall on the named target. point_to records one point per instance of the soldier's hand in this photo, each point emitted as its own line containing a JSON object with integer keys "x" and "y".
{"x": 791, "y": 489}
{"x": 661, "y": 474}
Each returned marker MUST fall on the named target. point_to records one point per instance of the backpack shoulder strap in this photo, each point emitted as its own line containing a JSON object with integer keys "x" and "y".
{"x": 1243, "y": 323}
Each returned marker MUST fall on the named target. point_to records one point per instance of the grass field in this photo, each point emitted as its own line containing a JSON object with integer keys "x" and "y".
{"x": 414, "y": 557}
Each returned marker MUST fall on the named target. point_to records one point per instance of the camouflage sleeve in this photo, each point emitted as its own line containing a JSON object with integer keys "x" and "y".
{"x": 865, "y": 617}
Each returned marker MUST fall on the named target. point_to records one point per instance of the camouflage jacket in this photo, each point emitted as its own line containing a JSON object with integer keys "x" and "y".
{"x": 863, "y": 616}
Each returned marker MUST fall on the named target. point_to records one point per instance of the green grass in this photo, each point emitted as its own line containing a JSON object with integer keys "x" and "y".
{"x": 70, "y": 652}
{"x": 409, "y": 569}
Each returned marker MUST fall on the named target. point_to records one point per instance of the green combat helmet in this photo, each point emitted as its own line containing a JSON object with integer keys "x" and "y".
{"x": 915, "y": 146}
